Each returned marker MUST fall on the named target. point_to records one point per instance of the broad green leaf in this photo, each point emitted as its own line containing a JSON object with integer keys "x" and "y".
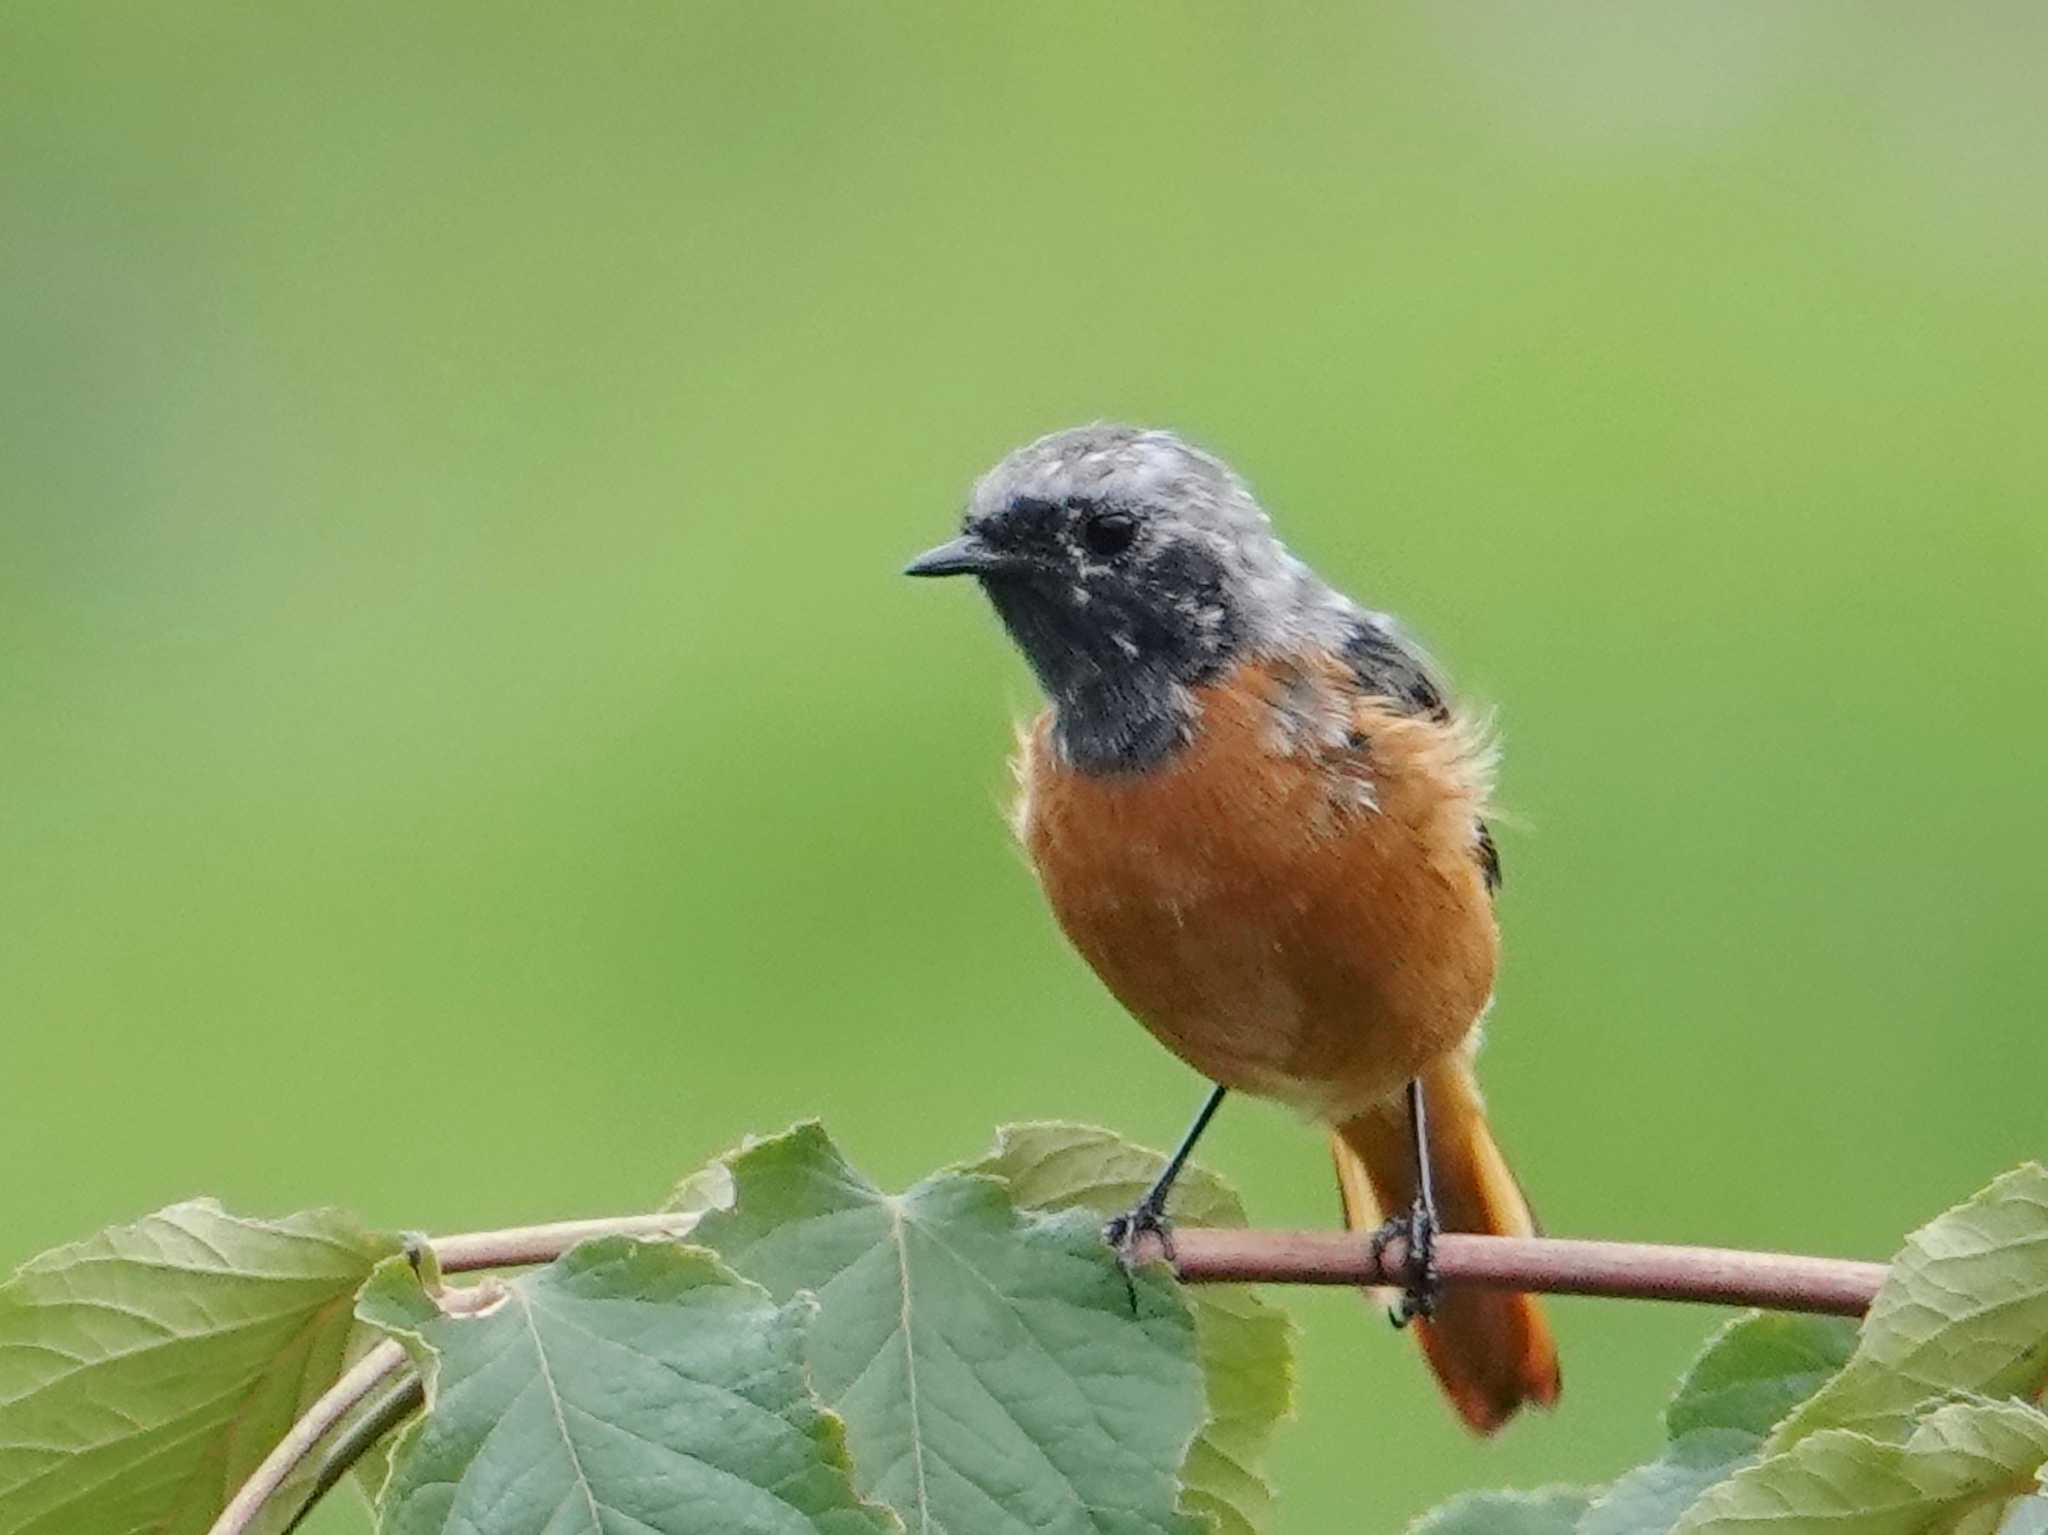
{"x": 993, "y": 1375}
{"x": 1749, "y": 1375}
{"x": 629, "y": 1386}
{"x": 1649, "y": 1499}
{"x": 1964, "y": 1308}
{"x": 1756, "y": 1369}
{"x": 146, "y": 1371}
{"x": 1055, "y": 1166}
{"x": 1547, "y": 1511}
{"x": 1957, "y": 1472}
{"x": 1244, "y": 1344}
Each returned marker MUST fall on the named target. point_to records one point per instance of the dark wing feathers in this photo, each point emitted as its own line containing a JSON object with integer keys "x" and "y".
{"x": 1489, "y": 857}
{"x": 1387, "y": 666}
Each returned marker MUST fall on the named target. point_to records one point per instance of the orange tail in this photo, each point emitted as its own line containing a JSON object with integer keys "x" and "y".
{"x": 1490, "y": 1349}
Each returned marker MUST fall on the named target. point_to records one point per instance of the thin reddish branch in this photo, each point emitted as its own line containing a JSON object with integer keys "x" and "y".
{"x": 1201, "y": 1255}
{"x": 1619, "y": 1270}
{"x": 521, "y": 1245}
{"x": 1209, "y": 1255}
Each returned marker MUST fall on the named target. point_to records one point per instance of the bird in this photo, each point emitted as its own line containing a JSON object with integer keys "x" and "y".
{"x": 1259, "y": 817}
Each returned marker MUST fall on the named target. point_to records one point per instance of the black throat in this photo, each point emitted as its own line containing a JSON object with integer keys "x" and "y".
{"x": 1112, "y": 728}
{"x": 1118, "y": 673}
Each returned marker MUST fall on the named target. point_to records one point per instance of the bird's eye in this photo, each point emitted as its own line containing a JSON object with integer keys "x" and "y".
{"x": 1109, "y": 533}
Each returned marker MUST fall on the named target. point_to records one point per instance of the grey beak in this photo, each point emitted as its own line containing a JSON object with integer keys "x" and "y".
{"x": 963, "y": 556}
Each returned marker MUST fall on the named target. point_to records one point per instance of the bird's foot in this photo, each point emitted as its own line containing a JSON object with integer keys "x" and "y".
{"x": 1125, "y": 1234}
{"x": 1417, "y": 1232}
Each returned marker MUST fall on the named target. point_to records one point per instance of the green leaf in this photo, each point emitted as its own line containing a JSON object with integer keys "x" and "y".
{"x": 146, "y": 1371}
{"x": 1748, "y": 1376}
{"x": 1649, "y": 1499}
{"x": 992, "y": 1372}
{"x": 1956, "y": 1472}
{"x": 628, "y": 1386}
{"x": 1757, "y": 1369}
{"x": 1547, "y": 1511}
{"x": 1963, "y": 1308}
{"x": 1244, "y": 1344}
{"x": 1054, "y": 1166}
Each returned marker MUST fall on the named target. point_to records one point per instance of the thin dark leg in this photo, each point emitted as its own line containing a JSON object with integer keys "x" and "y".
{"x": 1418, "y": 1120}
{"x": 1149, "y": 1214}
{"x": 1418, "y": 1298}
{"x": 1155, "y": 1197}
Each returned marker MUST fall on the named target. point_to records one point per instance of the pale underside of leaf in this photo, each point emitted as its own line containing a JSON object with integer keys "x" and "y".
{"x": 146, "y": 1371}
{"x": 1789, "y": 1425}
{"x": 1958, "y": 1472}
{"x": 1964, "y": 1307}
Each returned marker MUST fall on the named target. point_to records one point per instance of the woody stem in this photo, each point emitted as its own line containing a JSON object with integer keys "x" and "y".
{"x": 1549, "y": 1265}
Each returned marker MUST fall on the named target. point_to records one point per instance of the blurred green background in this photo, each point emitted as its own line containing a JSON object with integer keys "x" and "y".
{"x": 466, "y": 752}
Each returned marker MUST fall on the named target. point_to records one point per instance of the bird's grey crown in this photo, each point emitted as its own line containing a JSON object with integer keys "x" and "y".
{"x": 1282, "y": 605}
{"x": 1107, "y": 461}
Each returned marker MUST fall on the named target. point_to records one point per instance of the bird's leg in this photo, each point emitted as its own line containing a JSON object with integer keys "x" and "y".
{"x": 1148, "y": 1215}
{"x": 1417, "y": 1228}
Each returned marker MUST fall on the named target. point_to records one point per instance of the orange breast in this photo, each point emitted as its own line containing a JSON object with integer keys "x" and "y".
{"x": 1291, "y": 902}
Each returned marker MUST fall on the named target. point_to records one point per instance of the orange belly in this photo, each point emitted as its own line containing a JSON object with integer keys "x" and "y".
{"x": 1295, "y": 910}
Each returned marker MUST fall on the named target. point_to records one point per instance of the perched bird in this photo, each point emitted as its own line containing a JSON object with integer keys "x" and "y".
{"x": 1257, "y": 815}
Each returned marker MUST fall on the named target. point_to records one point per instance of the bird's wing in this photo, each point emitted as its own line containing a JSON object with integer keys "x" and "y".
{"x": 1386, "y": 663}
